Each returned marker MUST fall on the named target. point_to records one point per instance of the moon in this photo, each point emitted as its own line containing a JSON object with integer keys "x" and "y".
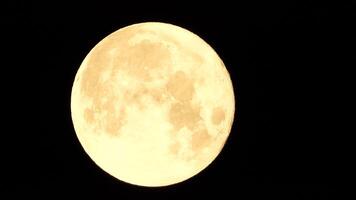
{"x": 152, "y": 104}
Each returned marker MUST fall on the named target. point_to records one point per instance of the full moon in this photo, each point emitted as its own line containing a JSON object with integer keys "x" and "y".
{"x": 152, "y": 104}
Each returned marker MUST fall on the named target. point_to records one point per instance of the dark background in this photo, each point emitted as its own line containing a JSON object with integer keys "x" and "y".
{"x": 279, "y": 55}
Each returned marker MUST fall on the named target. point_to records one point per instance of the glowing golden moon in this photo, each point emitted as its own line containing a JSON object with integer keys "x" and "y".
{"x": 152, "y": 104}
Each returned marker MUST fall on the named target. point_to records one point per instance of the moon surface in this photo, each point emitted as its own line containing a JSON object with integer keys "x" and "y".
{"x": 152, "y": 104}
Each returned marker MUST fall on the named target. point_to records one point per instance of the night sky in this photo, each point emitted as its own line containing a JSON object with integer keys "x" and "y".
{"x": 275, "y": 52}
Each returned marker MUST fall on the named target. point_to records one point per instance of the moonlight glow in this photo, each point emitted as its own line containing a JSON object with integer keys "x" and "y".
{"x": 152, "y": 104}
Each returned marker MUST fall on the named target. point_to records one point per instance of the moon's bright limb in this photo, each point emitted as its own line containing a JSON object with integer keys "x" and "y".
{"x": 152, "y": 104}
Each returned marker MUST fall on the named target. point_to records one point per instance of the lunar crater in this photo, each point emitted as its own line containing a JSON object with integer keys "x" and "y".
{"x": 218, "y": 115}
{"x": 180, "y": 86}
{"x": 141, "y": 60}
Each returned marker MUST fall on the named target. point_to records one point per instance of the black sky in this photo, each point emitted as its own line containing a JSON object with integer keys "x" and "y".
{"x": 278, "y": 55}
